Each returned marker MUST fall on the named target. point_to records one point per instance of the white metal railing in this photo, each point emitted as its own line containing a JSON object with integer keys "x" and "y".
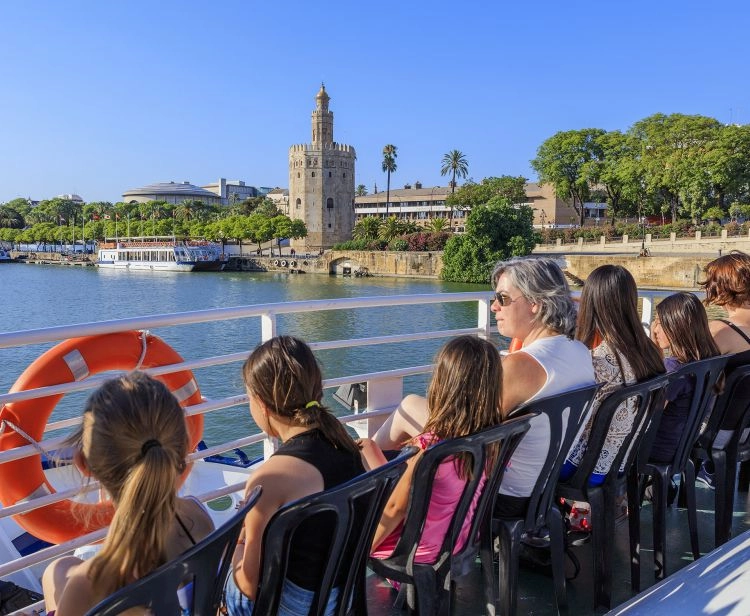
{"x": 384, "y": 388}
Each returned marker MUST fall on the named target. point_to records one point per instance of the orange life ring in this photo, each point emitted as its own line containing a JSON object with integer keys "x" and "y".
{"x": 74, "y": 360}
{"x": 516, "y": 344}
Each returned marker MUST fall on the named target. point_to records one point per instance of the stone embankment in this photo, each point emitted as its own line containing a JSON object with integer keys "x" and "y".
{"x": 347, "y": 263}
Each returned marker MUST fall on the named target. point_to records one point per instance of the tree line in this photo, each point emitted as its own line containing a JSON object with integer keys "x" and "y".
{"x": 256, "y": 219}
{"x": 681, "y": 165}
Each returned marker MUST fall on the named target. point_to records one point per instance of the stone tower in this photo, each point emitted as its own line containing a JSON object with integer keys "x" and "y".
{"x": 321, "y": 183}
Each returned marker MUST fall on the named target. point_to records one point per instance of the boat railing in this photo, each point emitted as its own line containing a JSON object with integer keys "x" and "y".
{"x": 385, "y": 388}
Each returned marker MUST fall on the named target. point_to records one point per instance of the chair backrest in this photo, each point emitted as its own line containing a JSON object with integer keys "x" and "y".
{"x": 354, "y": 508}
{"x": 502, "y": 440}
{"x": 565, "y": 413}
{"x": 732, "y": 408}
{"x": 648, "y": 400}
{"x": 203, "y": 568}
{"x": 704, "y": 376}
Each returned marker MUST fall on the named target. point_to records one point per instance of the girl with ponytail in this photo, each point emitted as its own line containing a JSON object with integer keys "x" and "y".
{"x": 133, "y": 439}
{"x": 285, "y": 388}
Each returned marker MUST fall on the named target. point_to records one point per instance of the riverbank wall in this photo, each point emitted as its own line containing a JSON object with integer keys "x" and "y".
{"x": 347, "y": 263}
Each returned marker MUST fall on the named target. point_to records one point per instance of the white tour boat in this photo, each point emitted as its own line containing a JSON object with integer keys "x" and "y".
{"x": 161, "y": 253}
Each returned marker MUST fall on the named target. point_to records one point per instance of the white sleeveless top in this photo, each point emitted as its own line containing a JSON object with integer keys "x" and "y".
{"x": 568, "y": 366}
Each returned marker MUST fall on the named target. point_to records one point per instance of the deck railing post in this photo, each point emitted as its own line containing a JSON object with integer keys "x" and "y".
{"x": 267, "y": 326}
{"x": 484, "y": 321}
{"x": 647, "y": 312}
{"x": 381, "y": 394}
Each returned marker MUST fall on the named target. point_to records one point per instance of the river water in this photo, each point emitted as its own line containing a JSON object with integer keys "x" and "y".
{"x": 40, "y": 296}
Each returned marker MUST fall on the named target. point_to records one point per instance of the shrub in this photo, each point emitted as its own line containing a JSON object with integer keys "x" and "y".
{"x": 398, "y": 244}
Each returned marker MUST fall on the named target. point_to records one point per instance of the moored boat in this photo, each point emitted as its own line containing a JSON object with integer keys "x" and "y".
{"x": 5, "y": 256}
{"x": 161, "y": 253}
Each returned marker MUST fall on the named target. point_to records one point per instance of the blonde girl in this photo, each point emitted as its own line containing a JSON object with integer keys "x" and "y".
{"x": 133, "y": 439}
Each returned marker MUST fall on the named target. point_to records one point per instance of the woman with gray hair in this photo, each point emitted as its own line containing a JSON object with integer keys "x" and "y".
{"x": 531, "y": 303}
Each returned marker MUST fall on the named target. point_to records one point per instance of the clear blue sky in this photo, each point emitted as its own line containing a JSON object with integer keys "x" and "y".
{"x": 97, "y": 97}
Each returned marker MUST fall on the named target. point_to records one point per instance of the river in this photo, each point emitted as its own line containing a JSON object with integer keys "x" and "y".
{"x": 36, "y": 296}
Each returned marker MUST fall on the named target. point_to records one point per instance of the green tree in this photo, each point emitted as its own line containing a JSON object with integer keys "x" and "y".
{"x": 612, "y": 171}
{"x": 286, "y": 228}
{"x": 361, "y": 190}
{"x": 368, "y": 228}
{"x": 389, "y": 166}
{"x": 563, "y": 160}
{"x": 455, "y": 163}
{"x": 495, "y": 231}
{"x": 471, "y": 194}
{"x": 11, "y": 218}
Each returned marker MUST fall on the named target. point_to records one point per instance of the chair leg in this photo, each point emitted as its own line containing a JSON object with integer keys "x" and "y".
{"x": 744, "y": 477}
{"x": 557, "y": 556}
{"x": 634, "y": 528}
{"x": 659, "y": 504}
{"x": 725, "y": 476}
{"x": 488, "y": 574}
{"x": 601, "y": 548}
{"x": 687, "y": 488}
{"x": 509, "y": 549}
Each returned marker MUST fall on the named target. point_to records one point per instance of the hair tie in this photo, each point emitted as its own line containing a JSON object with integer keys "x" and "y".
{"x": 149, "y": 444}
{"x": 312, "y": 403}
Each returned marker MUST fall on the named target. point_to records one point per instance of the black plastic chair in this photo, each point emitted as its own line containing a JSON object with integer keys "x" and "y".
{"x": 205, "y": 566}
{"x": 734, "y": 400}
{"x": 356, "y": 506}
{"x": 426, "y": 587}
{"x": 542, "y": 511}
{"x": 648, "y": 398}
{"x": 704, "y": 375}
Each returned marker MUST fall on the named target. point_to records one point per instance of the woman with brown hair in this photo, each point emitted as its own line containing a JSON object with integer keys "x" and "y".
{"x": 133, "y": 439}
{"x": 463, "y": 398}
{"x": 680, "y": 326}
{"x": 622, "y": 353}
{"x": 285, "y": 387}
{"x": 727, "y": 284}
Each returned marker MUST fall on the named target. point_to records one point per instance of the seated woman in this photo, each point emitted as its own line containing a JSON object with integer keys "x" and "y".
{"x": 133, "y": 439}
{"x": 622, "y": 353}
{"x": 727, "y": 284}
{"x": 680, "y": 326}
{"x": 463, "y": 398}
{"x": 531, "y": 303}
{"x": 285, "y": 387}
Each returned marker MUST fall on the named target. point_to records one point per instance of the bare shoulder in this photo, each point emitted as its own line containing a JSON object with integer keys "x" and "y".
{"x": 523, "y": 376}
{"x": 286, "y": 478}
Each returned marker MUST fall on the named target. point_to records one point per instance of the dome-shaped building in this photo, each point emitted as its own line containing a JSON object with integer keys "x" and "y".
{"x": 171, "y": 192}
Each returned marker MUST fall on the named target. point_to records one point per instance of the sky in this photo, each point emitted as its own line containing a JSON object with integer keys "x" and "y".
{"x": 97, "y": 97}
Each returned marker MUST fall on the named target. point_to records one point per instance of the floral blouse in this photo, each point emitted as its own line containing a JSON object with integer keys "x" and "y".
{"x": 607, "y": 371}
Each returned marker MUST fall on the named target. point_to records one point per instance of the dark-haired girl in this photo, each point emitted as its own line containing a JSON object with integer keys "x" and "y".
{"x": 285, "y": 387}
{"x": 681, "y": 327}
{"x": 622, "y": 353}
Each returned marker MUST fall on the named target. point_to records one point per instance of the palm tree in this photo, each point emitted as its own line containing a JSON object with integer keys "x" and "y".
{"x": 391, "y": 228}
{"x": 437, "y": 225}
{"x": 367, "y": 229}
{"x": 389, "y": 166}
{"x": 454, "y": 162}
{"x": 361, "y": 190}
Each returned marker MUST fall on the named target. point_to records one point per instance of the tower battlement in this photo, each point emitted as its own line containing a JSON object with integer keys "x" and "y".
{"x": 317, "y": 147}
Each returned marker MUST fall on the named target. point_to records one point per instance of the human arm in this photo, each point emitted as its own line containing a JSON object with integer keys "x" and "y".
{"x": 372, "y": 455}
{"x": 397, "y": 505}
{"x": 67, "y": 587}
{"x": 523, "y": 376}
{"x": 406, "y": 422}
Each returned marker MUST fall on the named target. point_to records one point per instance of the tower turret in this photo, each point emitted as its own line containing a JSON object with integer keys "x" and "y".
{"x": 322, "y": 119}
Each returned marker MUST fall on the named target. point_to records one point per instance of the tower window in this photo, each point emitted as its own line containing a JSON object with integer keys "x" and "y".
{"x": 313, "y": 174}
{"x": 344, "y": 173}
{"x": 329, "y": 203}
{"x": 297, "y": 173}
{"x": 329, "y": 174}
{"x": 299, "y": 203}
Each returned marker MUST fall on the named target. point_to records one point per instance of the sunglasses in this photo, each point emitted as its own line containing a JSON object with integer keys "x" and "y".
{"x": 504, "y": 299}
